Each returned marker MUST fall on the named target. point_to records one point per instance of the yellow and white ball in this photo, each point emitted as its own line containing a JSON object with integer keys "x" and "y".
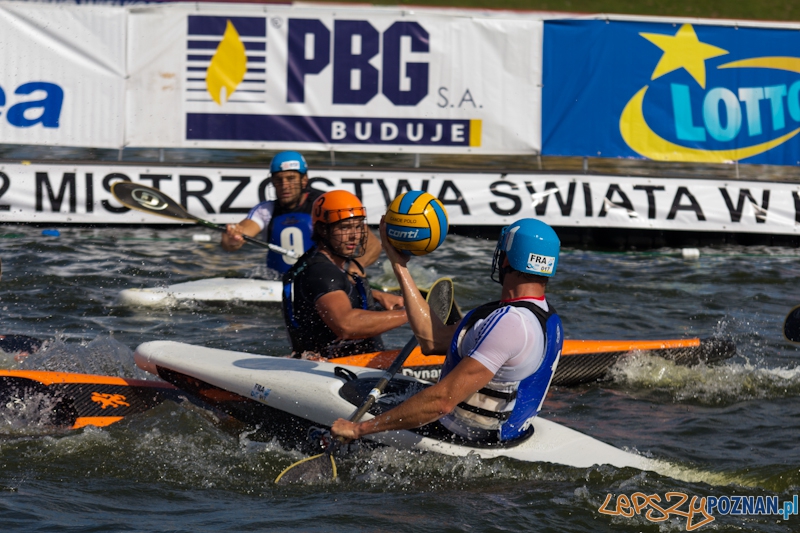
{"x": 416, "y": 223}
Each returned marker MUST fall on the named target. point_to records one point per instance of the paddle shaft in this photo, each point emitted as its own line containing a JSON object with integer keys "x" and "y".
{"x": 390, "y": 372}
{"x": 327, "y": 455}
{"x": 252, "y": 240}
{"x": 154, "y": 201}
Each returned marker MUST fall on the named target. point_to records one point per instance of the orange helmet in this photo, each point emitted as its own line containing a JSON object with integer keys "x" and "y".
{"x": 334, "y": 206}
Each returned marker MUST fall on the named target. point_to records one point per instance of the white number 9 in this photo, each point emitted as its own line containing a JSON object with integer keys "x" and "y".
{"x": 292, "y": 239}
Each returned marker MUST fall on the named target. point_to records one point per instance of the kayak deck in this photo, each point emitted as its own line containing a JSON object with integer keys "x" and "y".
{"x": 210, "y": 290}
{"x": 303, "y": 393}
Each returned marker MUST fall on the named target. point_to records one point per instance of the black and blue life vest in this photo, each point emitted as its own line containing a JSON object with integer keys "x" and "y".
{"x": 291, "y": 231}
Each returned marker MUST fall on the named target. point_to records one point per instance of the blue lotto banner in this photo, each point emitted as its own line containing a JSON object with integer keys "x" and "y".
{"x": 671, "y": 92}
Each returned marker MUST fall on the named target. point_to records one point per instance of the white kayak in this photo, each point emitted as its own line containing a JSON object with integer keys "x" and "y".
{"x": 318, "y": 394}
{"x": 210, "y": 290}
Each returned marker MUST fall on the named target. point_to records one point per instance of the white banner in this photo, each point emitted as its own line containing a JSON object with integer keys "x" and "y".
{"x": 338, "y": 78}
{"x": 61, "y": 194}
{"x": 62, "y": 80}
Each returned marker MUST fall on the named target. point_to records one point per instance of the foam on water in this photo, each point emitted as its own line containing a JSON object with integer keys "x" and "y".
{"x": 102, "y": 355}
{"x": 719, "y": 384}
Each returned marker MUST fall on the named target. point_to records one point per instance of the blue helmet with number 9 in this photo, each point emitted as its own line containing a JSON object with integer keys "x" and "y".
{"x": 288, "y": 161}
{"x": 531, "y": 246}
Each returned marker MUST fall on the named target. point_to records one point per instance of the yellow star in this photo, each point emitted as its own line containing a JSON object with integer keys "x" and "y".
{"x": 683, "y": 50}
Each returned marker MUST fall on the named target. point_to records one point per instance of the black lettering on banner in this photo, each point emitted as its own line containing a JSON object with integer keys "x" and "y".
{"x": 89, "y": 192}
{"x": 357, "y": 183}
{"x": 736, "y": 212}
{"x": 326, "y": 181}
{"x": 513, "y": 197}
{"x": 114, "y": 176}
{"x": 67, "y": 182}
{"x": 156, "y": 179}
{"x": 402, "y": 186}
{"x": 651, "y": 197}
{"x": 796, "y": 197}
{"x": 467, "y": 98}
{"x": 4, "y": 189}
{"x": 244, "y": 181}
{"x": 444, "y": 101}
{"x": 541, "y": 207}
{"x": 200, "y": 195}
{"x": 624, "y": 201}
{"x": 107, "y": 186}
{"x": 565, "y": 207}
{"x": 587, "y": 199}
{"x": 459, "y": 199}
{"x": 677, "y": 206}
{"x": 262, "y": 188}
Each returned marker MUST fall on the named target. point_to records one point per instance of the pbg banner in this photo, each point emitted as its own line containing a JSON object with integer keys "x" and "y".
{"x": 62, "y": 81}
{"x": 63, "y": 194}
{"x": 671, "y": 92}
{"x": 320, "y": 78}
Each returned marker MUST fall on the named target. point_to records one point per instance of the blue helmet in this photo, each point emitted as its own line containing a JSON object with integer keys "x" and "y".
{"x": 288, "y": 161}
{"x": 531, "y": 247}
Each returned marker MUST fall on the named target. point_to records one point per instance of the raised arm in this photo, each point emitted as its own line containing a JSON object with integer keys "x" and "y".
{"x": 433, "y": 335}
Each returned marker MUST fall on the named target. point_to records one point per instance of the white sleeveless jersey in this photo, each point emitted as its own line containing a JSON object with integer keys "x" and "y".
{"x": 505, "y": 340}
{"x": 511, "y": 343}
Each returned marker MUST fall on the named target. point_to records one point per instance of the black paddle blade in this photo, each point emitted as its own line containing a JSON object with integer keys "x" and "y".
{"x": 315, "y": 469}
{"x": 150, "y": 200}
{"x": 440, "y": 298}
{"x": 791, "y": 326}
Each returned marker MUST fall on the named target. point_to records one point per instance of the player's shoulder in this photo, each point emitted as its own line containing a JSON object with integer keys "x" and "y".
{"x": 267, "y": 206}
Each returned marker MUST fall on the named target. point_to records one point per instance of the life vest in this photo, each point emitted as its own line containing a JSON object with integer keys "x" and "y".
{"x": 291, "y": 231}
{"x": 505, "y": 409}
{"x": 307, "y": 331}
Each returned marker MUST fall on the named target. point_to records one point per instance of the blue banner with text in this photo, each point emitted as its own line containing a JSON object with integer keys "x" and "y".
{"x": 671, "y": 92}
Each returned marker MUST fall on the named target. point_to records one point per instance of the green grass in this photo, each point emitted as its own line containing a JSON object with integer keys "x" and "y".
{"x": 778, "y": 10}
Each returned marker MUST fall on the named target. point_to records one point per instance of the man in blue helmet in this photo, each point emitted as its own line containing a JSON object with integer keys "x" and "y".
{"x": 501, "y": 357}
{"x": 286, "y": 221}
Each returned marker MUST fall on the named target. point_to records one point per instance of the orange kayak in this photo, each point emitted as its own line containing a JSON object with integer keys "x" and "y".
{"x": 581, "y": 361}
{"x": 78, "y": 400}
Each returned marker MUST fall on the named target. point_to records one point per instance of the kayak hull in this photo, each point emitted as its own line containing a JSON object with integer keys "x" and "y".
{"x": 309, "y": 393}
{"x": 211, "y": 290}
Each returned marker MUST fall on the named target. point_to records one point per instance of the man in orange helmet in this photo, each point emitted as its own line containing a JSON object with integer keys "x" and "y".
{"x": 286, "y": 221}
{"x": 330, "y": 310}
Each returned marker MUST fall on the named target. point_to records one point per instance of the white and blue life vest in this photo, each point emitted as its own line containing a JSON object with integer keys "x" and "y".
{"x": 504, "y": 410}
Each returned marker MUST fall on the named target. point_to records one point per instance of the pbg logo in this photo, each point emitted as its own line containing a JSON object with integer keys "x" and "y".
{"x": 231, "y": 95}
{"x": 351, "y": 48}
